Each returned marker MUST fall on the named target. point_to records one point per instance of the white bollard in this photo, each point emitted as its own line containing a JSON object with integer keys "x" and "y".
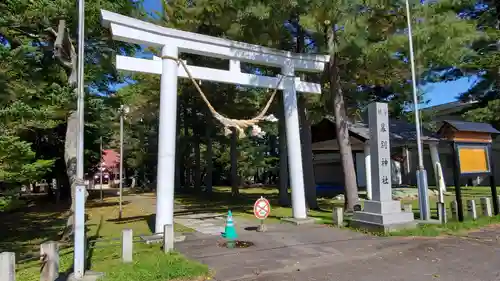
{"x": 127, "y": 245}
{"x": 441, "y": 210}
{"x": 471, "y": 209}
{"x": 7, "y": 266}
{"x": 168, "y": 238}
{"x": 49, "y": 253}
{"x": 338, "y": 216}
{"x": 486, "y": 206}
{"x": 454, "y": 210}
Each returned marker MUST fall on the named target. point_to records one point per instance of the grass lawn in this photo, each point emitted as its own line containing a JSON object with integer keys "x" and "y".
{"x": 24, "y": 230}
{"x": 220, "y": 201}
{"x": 451, "y": 228}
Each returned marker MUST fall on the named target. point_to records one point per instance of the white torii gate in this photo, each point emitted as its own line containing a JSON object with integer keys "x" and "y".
{"x": 172, "y": 42}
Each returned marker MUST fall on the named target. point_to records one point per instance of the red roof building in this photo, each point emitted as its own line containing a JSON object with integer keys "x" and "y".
{"x": 110, "y": 159}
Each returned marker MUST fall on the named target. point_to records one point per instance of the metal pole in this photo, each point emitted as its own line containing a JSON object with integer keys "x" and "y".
{"x": 79, "y": 216}
{"x": 80, "y": 89}
{"x": 100, "y": 168}
{"x": 121, "y": 158}
{"x": 421, "y": 173}
{"x": 79, "y": 248}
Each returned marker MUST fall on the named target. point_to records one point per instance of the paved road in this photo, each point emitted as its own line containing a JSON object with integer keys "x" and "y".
{"x": 303, "y": 253}
{"x": 322, "y": 253}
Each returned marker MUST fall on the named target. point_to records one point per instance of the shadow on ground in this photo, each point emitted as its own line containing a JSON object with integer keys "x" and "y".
{"x": 25, "y": 229}
{"x": 150, "y": 220}
{"x": 98, "y": 204}
{"x": 220, "y": 202}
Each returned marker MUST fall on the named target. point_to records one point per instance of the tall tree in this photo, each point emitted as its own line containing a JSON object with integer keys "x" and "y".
{"x": 368, "y": 49}
{"x": 484, "y": 65}
{"x": 305, "y": 124}
{"x": 46, "y": 30}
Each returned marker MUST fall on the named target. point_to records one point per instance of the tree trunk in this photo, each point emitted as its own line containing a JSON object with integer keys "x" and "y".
{"x": 305, "y": 133}
{"x": 336, "y": 102}
{"x": 307, "y": 159}
{"x": 182, "y": 158}
{"x": 70, "y": 159}
{"x": 64, "y": 52}
{"x": 178, "y": 154}
{"x": 210, "y": 166}
{"x": 497, "y": 14}
{"x": 186, "y": 171}
{"x": 284, "y": 197}
{"x": 197, "y": 161}
{"x": 234, "y": 163}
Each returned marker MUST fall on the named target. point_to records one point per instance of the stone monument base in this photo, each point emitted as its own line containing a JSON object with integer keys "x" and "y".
{"x": 383, "y": 216}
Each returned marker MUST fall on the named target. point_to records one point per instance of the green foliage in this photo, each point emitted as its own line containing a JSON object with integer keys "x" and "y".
{"x": 373, "y": 51}
{"x": 10, "y": 203}
{"x": 37, "y": 82}
{"x": 18, "y": 163}
{"x": 486, "y": 114}
{"x": 371, "y": 45}
{"x": 484, "y": 65}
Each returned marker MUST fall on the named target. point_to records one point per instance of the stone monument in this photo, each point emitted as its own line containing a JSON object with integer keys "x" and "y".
{"x": 381, "y": 213}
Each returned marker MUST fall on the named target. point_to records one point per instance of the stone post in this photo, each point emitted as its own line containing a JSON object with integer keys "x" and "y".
{"x": 127, "y": 245}
{"x": 486, "y": 206}
{"x": 49, "y": 252}
{"x": 168, "y": 238}
{"x": 8, "y": 266}
{"x": 471, "y": 209}
{"x": 441, "y": 209}
{"x": 454, "y": 210}
{"x": 338, "y": 216}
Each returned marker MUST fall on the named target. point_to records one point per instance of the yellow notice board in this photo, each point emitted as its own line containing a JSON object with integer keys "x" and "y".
{"x": 473, "y": 159}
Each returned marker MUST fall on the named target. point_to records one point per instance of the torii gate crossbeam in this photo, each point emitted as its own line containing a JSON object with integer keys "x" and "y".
{"x": 172, "y": 42}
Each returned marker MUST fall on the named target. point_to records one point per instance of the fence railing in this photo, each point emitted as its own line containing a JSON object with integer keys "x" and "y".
{"x": 49, "y": 254}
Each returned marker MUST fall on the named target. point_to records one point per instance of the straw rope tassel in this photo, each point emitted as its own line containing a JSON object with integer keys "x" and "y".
{"x": 238, "y": 124}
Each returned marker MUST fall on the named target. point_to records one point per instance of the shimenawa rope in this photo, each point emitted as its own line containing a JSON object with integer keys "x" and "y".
{"x": 238, "y": 124}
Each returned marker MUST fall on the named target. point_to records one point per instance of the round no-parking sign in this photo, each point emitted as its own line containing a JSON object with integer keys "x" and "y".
{"x": 261, "y": 208}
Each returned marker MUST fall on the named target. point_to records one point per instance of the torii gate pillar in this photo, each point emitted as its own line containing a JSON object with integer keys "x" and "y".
{"x": 293, "y": 143}
{"x": 167, "y": 140}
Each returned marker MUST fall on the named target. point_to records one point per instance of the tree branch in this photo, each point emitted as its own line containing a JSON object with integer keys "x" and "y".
{"x": 59, "y": 50}
{"x": 32, "y": 35}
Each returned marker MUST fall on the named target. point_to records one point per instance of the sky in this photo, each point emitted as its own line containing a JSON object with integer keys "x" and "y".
{"x": 436, "y": 93}
{"x": 439, "y": 93}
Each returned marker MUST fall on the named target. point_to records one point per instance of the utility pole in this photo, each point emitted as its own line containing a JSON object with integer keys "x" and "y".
{"x": 123, "y": 110}
{"x": 80, "y": 90}
{"x": 423, "y": 199}
{"x": 80, "y": 189}
{"x": 121, "y": 161}
{"x": 101, "y": 170}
